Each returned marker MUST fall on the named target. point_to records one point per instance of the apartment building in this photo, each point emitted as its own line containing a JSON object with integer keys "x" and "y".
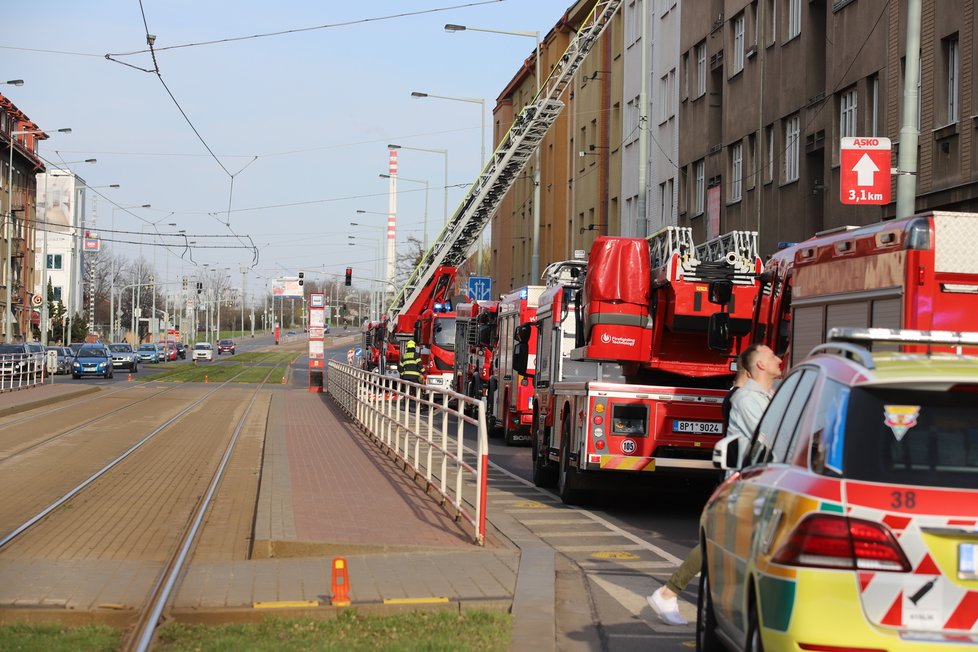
{"x": 20, "y": 164}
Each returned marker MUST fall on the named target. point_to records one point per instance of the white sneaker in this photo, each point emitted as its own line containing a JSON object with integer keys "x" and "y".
{"x": 666, "y": 608}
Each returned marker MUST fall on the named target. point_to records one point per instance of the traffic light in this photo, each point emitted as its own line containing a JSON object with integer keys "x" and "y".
{"x": 301, "y": 276}
{"x": 184, "y": 282}
{"x": 200, "y": 287}
{"x": 349, "y": 276}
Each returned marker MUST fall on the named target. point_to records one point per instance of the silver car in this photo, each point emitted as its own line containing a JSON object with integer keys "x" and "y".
{"x": 65, "y": 358}
{"x": 123, "y": 356}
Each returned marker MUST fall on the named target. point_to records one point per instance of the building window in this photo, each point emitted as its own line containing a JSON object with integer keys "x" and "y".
{"x": 738, "y": 44}
{"x": 847, "y": 114}
{"x": 699, "y": 191}
{"x": 54, "y": 261}
{"x": 953, "y": 71}
{"x": 794, "y": 19}
{"x": 56, "y": 292}
{"x": 791, "y": 153}
{"x": 772, "y": 22}
{"x": 665, "y": 97}
{"x": 769, "y": 139}
{"x": 736, "y": 172}
{"x": 701, "y": 69}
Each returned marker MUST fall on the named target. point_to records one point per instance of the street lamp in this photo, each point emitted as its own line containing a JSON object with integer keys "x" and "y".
{"x": 535, "y": 257}
{"x": 112, "y": 326}
{"x": 420, "y": 181}
{"x": 8, "y": 312}
{"x": 14, "y": 82}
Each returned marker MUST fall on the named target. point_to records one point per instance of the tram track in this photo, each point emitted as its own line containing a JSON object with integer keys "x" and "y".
{"x": 219, "y": 405}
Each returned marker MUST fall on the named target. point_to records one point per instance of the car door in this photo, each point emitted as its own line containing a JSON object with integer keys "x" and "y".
{"x": 732, "y": 519}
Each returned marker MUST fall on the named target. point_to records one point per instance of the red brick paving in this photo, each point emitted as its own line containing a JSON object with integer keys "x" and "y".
{"x": 345, "y": 490}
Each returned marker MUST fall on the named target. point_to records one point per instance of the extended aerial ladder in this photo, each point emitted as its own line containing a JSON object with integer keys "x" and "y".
{"x": 463, "y": 230}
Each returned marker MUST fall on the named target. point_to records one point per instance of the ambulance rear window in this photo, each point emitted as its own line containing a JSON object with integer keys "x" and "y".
{"x": 911, "y": 437}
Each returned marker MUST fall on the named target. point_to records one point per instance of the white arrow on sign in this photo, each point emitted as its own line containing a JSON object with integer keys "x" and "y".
{"x": 865, "y": 169}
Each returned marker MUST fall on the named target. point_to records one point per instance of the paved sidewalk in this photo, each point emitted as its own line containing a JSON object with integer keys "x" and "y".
{"x": 327, "y": 488}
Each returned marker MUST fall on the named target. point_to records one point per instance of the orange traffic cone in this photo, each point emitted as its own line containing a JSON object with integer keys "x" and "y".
{"x": 129, "y": 379}
{"x": 341, "y": 584}
{"x": 205, "y": 378}
{"x": 283, "y": 380}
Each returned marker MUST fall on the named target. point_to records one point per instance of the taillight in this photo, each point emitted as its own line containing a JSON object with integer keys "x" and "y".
{"x": 835, "y": 541}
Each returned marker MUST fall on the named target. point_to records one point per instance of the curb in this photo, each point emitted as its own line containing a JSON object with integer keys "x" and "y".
{"x": 47, "y": 400}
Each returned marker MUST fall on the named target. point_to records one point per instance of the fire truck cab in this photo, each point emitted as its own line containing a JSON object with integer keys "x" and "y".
{"x": 510, "y": 392}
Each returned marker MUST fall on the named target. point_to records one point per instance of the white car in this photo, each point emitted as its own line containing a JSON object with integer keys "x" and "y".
{"x": 204, "y": 351}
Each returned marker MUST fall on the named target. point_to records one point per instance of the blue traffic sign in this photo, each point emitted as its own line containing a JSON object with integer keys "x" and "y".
{"x": 480, "y": 288}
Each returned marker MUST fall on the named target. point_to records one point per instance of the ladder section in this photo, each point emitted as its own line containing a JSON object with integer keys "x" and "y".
{"x": 742, "y": 244}
{"x": 508, "y": 160}
{"x": 668, "y": 241}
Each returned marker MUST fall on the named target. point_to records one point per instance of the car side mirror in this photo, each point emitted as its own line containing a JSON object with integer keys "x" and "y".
{"x": 721, "y": 290}
{"x": 726, "y": 453}
{"x": 718, "y": 334}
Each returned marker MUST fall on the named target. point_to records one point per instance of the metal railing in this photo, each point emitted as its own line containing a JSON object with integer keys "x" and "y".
{"x": 20, "y": 370}
{"x": 424, "y": 427}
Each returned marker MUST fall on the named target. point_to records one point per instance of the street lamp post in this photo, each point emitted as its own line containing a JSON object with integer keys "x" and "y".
{"x": 8, "y": 231}
{"x": 535, "y": 256}
{"x": 375, "y": 294}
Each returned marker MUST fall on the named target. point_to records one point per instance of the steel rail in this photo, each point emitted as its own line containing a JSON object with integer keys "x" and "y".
{"x": 160, "y": 593}
{"x": 95, "y": 476}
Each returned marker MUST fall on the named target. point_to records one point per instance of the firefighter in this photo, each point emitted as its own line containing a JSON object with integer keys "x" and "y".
{"x": 410, "y": 365}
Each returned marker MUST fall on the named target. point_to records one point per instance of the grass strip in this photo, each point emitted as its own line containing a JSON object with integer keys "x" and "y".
{"x": 59, "y": 638}
{"x": 267, "y": 356}
{"x": 350, "y": 631}
{"x": 435, "y": 631}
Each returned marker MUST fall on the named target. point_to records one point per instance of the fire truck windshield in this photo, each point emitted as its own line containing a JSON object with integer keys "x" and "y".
{"x": 444, "y": 336}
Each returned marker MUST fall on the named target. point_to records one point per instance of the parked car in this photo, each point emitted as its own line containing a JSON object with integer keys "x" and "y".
{"x": 852, "y": 524}
{"x": 204, "y": 351}
{"x": 14, "y": 360}
{"x": 92, "y": 360}
{"x": 124, "y": 356}
{"x": 181, "y": 350}
{"x": 225, "y": 346}
{"x": 65, "y": 357}
{"x": 149, "y": 352}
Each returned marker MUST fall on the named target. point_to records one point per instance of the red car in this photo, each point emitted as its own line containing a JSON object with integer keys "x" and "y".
{"x": 225, "y": 346}
{"x": 170, "y": 351}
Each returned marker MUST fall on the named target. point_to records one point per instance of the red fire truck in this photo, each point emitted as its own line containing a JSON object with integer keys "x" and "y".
{"x": 509, "y": 409}
{"x": 475, "y": 338}
{"x": 641, "y": 385}
{"x": 918, "y": 272}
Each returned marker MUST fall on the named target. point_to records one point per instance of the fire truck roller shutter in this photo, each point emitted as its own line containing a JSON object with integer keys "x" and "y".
{"x": 616, "y": 299}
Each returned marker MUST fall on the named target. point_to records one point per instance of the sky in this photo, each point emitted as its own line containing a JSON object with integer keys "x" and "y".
{"x": 273, "y": 140}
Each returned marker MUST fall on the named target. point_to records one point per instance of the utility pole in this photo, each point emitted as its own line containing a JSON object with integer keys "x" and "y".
{"x": 907, "y": 157}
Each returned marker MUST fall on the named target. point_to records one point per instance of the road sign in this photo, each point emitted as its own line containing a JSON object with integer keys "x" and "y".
{"x": 480, "y": 288}
{"x": 864, "y": 176}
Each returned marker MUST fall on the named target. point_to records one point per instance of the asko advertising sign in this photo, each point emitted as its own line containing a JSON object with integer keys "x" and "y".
{"x": 864, "y": 176}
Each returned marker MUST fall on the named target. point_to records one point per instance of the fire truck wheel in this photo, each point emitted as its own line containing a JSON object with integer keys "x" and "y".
{"x": 567, "y": 481}
{"x": 544, "y": 471}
